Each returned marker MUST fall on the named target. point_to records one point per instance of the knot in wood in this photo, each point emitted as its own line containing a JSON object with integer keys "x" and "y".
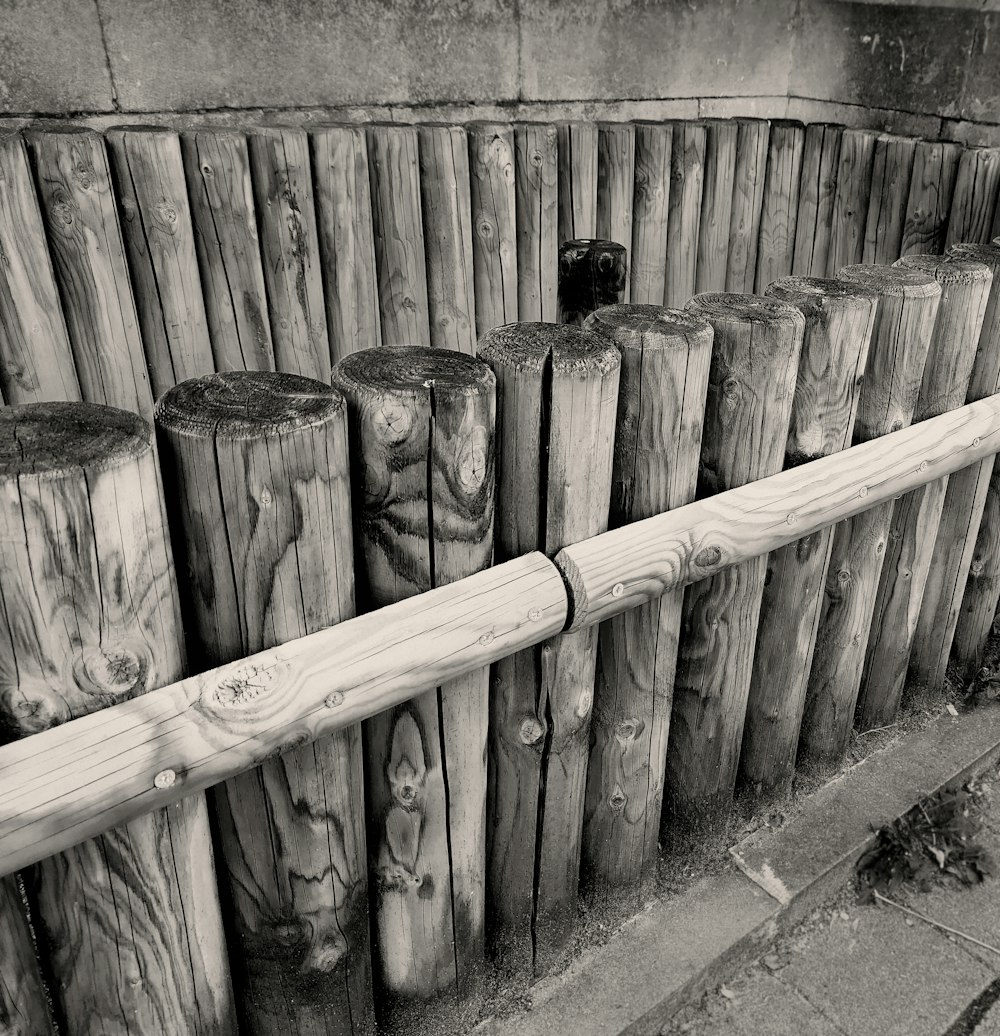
{"x": 626, "y": 730}
{"x": 531, "y": 730}
{"x": 472, "y": 459}
{"x": 708, "y": 557}
{"x": 732, "y": 390}
{"x": 618, "y": 800}
{"x": 83, "y": 175}
{"x": 63, "y": 213}
{"x": 117, "y": 672}
{"x": 392, "y": 421}
{"x": 167, "y": 213}
{"x": 245, "y": 686}
{"x": 583, "y": 705}
{"x": 977, "y": 567}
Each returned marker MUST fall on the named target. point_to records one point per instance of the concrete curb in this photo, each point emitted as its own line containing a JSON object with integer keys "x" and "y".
{"x": 679, "y": 948}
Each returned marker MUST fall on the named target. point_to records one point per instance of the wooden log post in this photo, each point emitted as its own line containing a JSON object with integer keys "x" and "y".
{"x": 536, "y": 183}
{"x": 24, "y": 1009}
{"x": 448, "y": 237}
{"x": 346, "y": 238}
{"x": 892, "y": 166}
{"x": 258, "y": 462}
{"x": 217, "y": 165}
{"x": 907, "y": 308}
{"x": 964, "y": 503}
{"x": 577, "y": 148}
{"x": 850, "y": 204}
{"x": 159, "y": 239}
{"x": 974, "y": 202}
{"x": 751, "y": 384}
{"x": 748, "y": 197}
{"x": 422, "y": 425}
{"x": 716, "y": 204}
{"x": 687, "y": 164}
{"x": 36, "y": 362}
{"x": 129, "y": 922}
{"x": 557, "y": 390}
{"x": 592, "y": 274}
{"x": 916, "y": 517}
{"x": 289, "y": 246}
{"x": 615, "y": 184}
{"x": 650, "y": 206}
{"x": 839, "y": 319}
{"x": 932, "y": 183}
{"x": 817, "y": 192}
{"x": 780, "y": 204}
{"x": 494, "y": 234}
{"x": 664, "y": 377}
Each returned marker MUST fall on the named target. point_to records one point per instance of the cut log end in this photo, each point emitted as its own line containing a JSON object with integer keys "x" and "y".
{"x": 799, "y": 290}
{"x": 630, "y": 324}
{"x": 529, "y": 346}
{"x": 989, "y": 254}
{"x": 724, "y": 305}
{"x": 891, "y": 280}
{"x": 946, "y": 269}
{"x": 412, "y": 370}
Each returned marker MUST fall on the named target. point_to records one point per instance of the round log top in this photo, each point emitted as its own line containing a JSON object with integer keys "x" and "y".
{"x": 580, "y": 246}
{"x": 530, "y": 345}
{"x": 138, "y": 127}
{"x": 627, "y": 324}
{"x": 891, "y": 280}
{"x": 412, "y": 370}
{"x": 947, "y": 269}
{"x": 989, "y": 254}
{"x": 56, "y": 438}
{"x": 798, "y": 290}
{"x": 246, "y": 405}
{"x": 756, "y": 309}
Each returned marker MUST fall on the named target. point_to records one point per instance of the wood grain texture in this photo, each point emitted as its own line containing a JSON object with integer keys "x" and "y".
{"x": 850, "y": 204}
{"x": 664, "y": 378}
{"x": 399, "y": 235}
{"x": 650, "y": 208}
{"x": 908, "y": 304}
{"x": 422, "y": 422}
{"x": 346, "y": 238}
{"x": 491, "y": 157}
{"x": 892, "y": 166}
{"x": 912, "y": 536}
{"x": 687, "y": 168}
{"x": 557, "y": 390}
{"x": 536, "y": 184}
{"x": 577, "y": 146}
{"x": 217, "y": 165}
{"x": 839, "y": 319}
{"x": 817, "y": 193}
{"x": 616, "y": 184}
{"x": 448, "y": 237}
{"x": 159, "y": 239}
{"x": 130, "y": 921}
{"x": 750, "y": 388}
{"x": 23, "y": 1002}
{"x": 974, "y": 202}
{"x": 289, "y": 247}
{"x": 748, "y": 197}
{"x": 965, "y": 499}
{"x": 592, "y": 274}
{"x": 262, "y": 518}
{"x": 780, "y": 204}
{"x": 36, "y": 363}
{"x": 932, "y": 183}
{"x": 74, "y": 187}
{"x": 716, "y": 204}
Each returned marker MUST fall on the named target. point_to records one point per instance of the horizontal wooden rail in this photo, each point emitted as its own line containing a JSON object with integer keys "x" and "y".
{"x": 74, "y": 781}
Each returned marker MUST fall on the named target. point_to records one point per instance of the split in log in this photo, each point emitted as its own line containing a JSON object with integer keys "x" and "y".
{"x": 974, "y": 203}
{"x": 892, "y": 166}
{"x": 615, "y": 184}
{"x": 687, "y": 165}
{"x": 650, "y": 206}
{"x": 536, "y": 182}
{"x": 932, "y": 183}
{"x": 716, "y": 204}
{"x": 817, "y": 193}
{"x": 748, "y": 197}
{"x": 577, "y": 148}
{"x": 850, "y": 204}
{"x": 780, "y": 205}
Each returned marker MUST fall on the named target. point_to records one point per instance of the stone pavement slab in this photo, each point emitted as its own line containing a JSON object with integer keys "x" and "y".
{"x": 990, "y": 1024}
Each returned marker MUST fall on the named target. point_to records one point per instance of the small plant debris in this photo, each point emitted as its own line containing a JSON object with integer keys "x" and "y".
{"x": 985, "y": 685}
{"x": 934, "y": 841}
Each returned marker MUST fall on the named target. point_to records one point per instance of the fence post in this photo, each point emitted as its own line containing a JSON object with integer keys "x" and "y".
{"x": 916, "y": 517}
{"x": 817, "y": 191}
{"x": 421, "y": 423}
{"x": 664, "y": 377}
{"x": 850, "y": 204}
{"x": 884, "y": 225}
{"x": 716, "y": 204}
{"x": 615, "y": 184}
{"x": 536, "y": 181}
{"x": 974, "y": 202}
{"x": 755, "y": 355}
{"x": 780, "y": 204}
{"x": 592, "y": 274}
{"x": 748, "y": 197}
{"x": 839, "y": 319}
{"x": 129, "y": 920}
{"x": 687, "y": 166}
{"x": 904, "y": 321}
{"x": 932, "y": 182}
{"x": 557, "y": 391}
{"x": 650, "y": 206}
{"x": 258, "y": 463}
{"x": 24, "y": 1007}
{"x": 577, "y": 149}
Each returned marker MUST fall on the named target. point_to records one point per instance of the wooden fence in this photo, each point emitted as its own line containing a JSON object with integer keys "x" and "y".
{"x": 529, "y": 700}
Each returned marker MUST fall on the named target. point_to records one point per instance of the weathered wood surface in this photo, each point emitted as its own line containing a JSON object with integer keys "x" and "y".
{"x": 817, "y": 193}
{"x": 85, "y": 242}
{"x": 346, "y": 238}
{"x": 592, "y": 274}
{"x": 23, "y": 1002}
{"x": 839, "y": 319}
{"x": 261, "y": 502}
{"x": 932, "y": 183}
{"x": 422, "y": 425}
{"x": 289, "y": 246}
{"x": 129, "y": 921}
{"x": 748, "y": 197}
{"x": 687, "y": 165}
{"x": 716, "y": 204}
{"x": 892, "y": 166}
{"x": 908, "y": 304}
{"x": 664, "y": 378}
{"x": 780, "y": 203}
{"x": 965, "y": 500}
{"x": 159, "y": 238}
{"x": 494, "y": 236}
{"x": 750, "y": 388}
{"x": 448, "y": 213}
{"x": 616, "y": 184}
{"x": 912, "y": 535}
{"x": 217, "y": 165}
{"x": 557, "y": 390}
{"x": 577, "y": 148}
{"x": 974, "y": 202}
{"x": 536, "y": 182}
{"x": 36, "y": 362}
{"x": 399, "y": 234}
{"x": 850, "y": 204}
{"x": 650, "y": 207}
